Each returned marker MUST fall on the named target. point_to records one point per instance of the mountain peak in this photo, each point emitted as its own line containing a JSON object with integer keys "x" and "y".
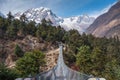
{"x": 40, "y": 9}
{"x": 79, "y": 23}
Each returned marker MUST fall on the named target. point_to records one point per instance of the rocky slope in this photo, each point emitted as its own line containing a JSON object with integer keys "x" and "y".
{"x": 107, "y": 24}
{"x": 29, "y": 43}
{"x": 79, "y": 23}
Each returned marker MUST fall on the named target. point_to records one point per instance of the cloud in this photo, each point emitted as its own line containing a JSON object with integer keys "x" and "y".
{"x": 21, "y": 5}
{"x": 98, "y": 13}
{"x": 12, "y": 5}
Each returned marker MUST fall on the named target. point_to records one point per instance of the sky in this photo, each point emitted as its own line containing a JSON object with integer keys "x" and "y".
{"x": 62, "y": 8}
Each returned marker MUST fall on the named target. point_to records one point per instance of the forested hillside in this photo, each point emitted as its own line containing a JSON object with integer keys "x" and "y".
{"x": 91, "y": 55}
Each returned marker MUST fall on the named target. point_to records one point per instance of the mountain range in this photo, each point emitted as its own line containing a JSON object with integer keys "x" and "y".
{"x": 107, "y": 24}
{"x": 80, "y": 23}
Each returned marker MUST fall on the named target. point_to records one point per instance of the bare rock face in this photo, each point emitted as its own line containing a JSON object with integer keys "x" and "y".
{"x": 107, "y": 24}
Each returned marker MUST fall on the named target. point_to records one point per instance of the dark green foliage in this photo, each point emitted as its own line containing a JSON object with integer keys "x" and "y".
{"x": 82, "y": 58}
{"x": 11, "y": 31}
{"x": 90, "y": 61}
{"x": 30, "y": 63}
{"x": 23, "y": 17}
{"x": 18, "y": 51}
{"x": 2, "y": 27}
{"x": 7, "y": 74}
{"x": 99, "y": 56}
{"x": 11, "y": 28}
{"x": 50, "y": 33}
{"x": 10, "y": 16}
{"x": 31, "y": 28}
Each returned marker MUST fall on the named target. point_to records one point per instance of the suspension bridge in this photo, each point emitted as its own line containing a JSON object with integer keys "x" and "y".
{"x": 61, "y": 72}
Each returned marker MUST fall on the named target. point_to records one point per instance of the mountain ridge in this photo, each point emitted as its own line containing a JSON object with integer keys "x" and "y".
{"x": 106, "y": 24}
{"x": 79, "y": 23}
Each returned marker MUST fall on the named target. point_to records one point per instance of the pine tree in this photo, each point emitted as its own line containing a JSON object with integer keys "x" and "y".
{"x": 30, "y": 63}
{"x": 18, "y": 51}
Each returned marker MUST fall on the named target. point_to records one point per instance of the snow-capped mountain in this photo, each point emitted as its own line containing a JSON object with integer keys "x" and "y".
{"x": 79, "y": 23}
{"x": 38, "y": 14}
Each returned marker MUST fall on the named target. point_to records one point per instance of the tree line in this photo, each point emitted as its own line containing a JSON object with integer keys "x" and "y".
{"x": 92, "y": 55}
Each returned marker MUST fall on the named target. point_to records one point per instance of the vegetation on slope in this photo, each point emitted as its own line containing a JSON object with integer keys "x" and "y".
{"x": 97, "y": 56}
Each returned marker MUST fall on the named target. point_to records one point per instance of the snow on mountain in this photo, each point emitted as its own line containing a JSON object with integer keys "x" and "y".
{"x": 39, "y": 14}
{"x": 17, "y": 15}
{"x": 79, "y": 23}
